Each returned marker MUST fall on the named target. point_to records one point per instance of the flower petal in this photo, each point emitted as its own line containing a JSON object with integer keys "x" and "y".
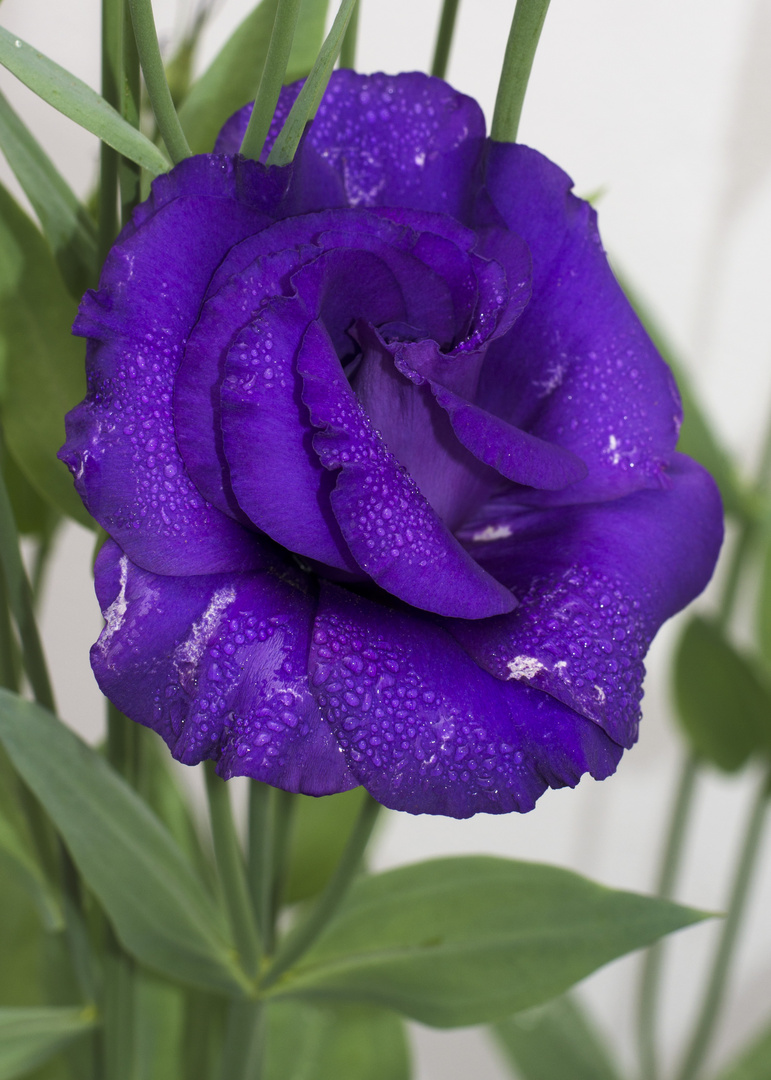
{"x": 390, "y": 528}
{"x": 395, "y": 140}
{"x": 577, "y": 368}
{"x": 121, "y": 445}
{"x": 216, "y": 664}
{"x": 428, "y": 731}
{"x": 595, "y": 582}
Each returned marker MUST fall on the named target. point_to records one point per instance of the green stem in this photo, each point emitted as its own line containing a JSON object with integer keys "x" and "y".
{"x": 155, "y": 80}
{"x": 20, "y": 603}
{"x": 9, "y": 675}
{"x": 348, "y": 48}
{"x": 272, "y": 79}
{"x": 304, "y": 108}
{"x": 112, "y": 37}
{"x": 260, "y": 858}
{"x": 325, "y": 907}
{"x": 444, "y": 38}
{"x": 244, "y": 1050}
{"x": 232, "y": 871}
{"x": 283, "y": 819}
{"x": 706, "y": 1024}
{"x": 118, "y": 1006}
{"x": 525, "y": 31}
{"x": 651, "y": 972}
{"x": 129, "y": 173}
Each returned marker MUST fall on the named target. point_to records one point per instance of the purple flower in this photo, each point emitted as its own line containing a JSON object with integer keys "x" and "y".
{"x": 388, "y": 464}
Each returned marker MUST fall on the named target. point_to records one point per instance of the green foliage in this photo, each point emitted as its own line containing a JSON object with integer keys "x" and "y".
{"x": 723, "y": 703}
{"x": 233, "y": 76}
{"x": 334, "y": 1043}
{"x": 34, "y": 515}
{"x": 763, "y": 609}
{"x": 79, "y": 102}
{"x": 307, "y": 101}
{"x": 754, "y": 1063}
{"x": 147, "y": 887}
{"x": 555, "y": 1042}
{"x": 461, "y": 941}
{"x": 319, "y": 833}
{"x": 42, "y": 364}
{"x": 29, "y": 1037}
{"x": 66, "y": 224}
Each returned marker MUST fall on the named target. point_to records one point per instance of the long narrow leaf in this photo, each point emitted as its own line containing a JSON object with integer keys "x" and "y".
{"x": 304, "y": 108}
{"x": 147, "y": 887}
{"x": 78, "y": 101}
{"x": 44, "y": 373}
{"x": 28, "y": 1037}
{"x": 65, "y": 222}
{"x": 234, "y": 75}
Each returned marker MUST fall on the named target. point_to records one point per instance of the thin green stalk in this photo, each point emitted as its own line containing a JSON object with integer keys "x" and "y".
{"x": 272, "y": 79}
{"x": 706, "y": 1024}
{"x": 118, "y": 1001}
{"x": 112, "y": 38}
{"x": 348, "y": 49}
{"x": 526, "y": 26}
{"x": 129, "y": 173}
{"x": 304, "y": 108}
{"x": 232, "y": 872}
{"x": 270, "y": 820}
{"x": 283, "y": 819}
{"x": 651, "y": 972}
{"x": 244, "y": 1050}
{"x": 327, "y": 904}
{"x": 20, "y": 604}
{"x": 260, "y": 858}
{"x": 9, "y": 674}
{"x": 444, "y": 38}
{"x": 155, "y": 80}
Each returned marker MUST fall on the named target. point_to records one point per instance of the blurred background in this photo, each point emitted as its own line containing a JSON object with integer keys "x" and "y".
{"x": 664, "y": 109}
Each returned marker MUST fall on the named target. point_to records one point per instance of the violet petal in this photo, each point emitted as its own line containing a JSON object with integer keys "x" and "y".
{"x": 216, "y": 664}
{"x": 426, "y": 730}
{"x": 595, "y": 582}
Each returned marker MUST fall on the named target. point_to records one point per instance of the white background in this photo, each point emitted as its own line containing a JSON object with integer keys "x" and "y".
{"x": 665, "y": 105}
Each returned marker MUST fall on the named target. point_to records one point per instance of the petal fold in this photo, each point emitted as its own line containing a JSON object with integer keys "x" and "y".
{"x": 595, "y": 582}
{"x": 428, "y": 731}
{"x": 217, "y": 665}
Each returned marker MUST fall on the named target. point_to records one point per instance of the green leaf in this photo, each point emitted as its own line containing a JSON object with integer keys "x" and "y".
{"x": 29, "y": 1037}
{"x": 308, "y": 1043}
{"x": 15, "y": 855}
{"x": 233, "y": 76}
{"x": 697, "y": 438}
{"x": 66, "y": 223}
{"x": 34, "y": 515}
{"x": 553, "y": 1042}
{"x": 754, "y": 1063}
{"x": 147, "y": 887}
{"x": 79, "y": 102}
{"x": 43, "y": 365}
{"x": 723, "y": 705}
{"x": 319, "y": 834}
{"x": 307, "y": 101}
{"x": 466, "y": 940}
